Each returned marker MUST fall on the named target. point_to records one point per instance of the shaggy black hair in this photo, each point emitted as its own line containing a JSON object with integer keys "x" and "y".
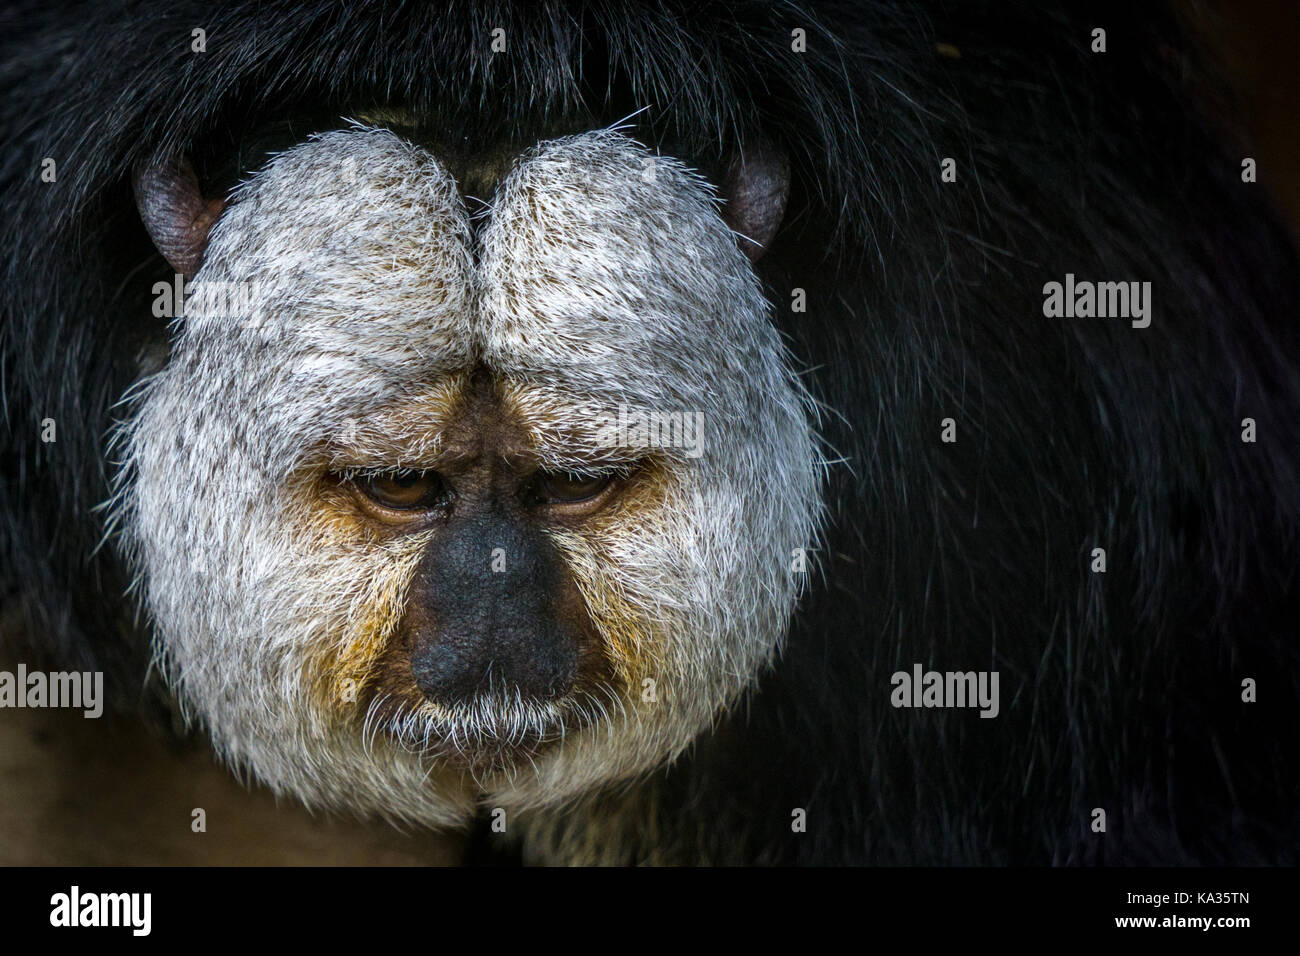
{"x": 1120, "y": 690}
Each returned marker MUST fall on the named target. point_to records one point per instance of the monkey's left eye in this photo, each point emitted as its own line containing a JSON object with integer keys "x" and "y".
{"x": 403, "y": 490}
{"x": 564, "y": 487}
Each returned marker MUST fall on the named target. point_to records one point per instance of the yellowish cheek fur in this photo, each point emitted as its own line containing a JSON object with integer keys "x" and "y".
{"x": 369, "y": 633}
{"x": 367, "y": 585}
{"x": 633, "y": 641}
{"x": 628, "y": 645}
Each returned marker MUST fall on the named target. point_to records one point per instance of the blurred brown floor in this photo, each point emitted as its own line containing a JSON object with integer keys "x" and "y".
{"x": 87, "y": 792}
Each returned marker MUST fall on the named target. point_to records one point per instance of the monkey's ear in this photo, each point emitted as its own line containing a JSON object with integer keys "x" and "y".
{"x": 755, "y": 184}
{"x": 174, "y": 211}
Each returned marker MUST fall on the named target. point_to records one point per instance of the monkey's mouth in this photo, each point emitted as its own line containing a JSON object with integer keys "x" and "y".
{"x": 488, "y": 732}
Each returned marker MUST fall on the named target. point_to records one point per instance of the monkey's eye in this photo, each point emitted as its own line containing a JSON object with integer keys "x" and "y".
{"x": 403, "y": 490}
{"x": 565, "y": 487}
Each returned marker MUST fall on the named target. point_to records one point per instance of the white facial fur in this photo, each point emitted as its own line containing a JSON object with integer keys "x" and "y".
{"x": 598, "y": 279}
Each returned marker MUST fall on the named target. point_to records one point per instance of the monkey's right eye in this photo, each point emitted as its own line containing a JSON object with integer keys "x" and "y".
{"x": 403, "y": 490}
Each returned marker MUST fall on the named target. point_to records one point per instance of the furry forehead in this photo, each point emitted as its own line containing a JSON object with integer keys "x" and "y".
{"x": 357, "y": 252}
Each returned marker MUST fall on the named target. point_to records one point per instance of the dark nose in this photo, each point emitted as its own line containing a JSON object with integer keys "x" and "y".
{"x": 494, "y": 622}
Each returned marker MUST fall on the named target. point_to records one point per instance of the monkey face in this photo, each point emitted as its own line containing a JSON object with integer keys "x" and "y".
{"x": 448, "y": 511}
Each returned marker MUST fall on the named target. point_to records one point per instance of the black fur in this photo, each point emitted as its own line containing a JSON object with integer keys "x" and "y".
{"x": 1119, "y": 691}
